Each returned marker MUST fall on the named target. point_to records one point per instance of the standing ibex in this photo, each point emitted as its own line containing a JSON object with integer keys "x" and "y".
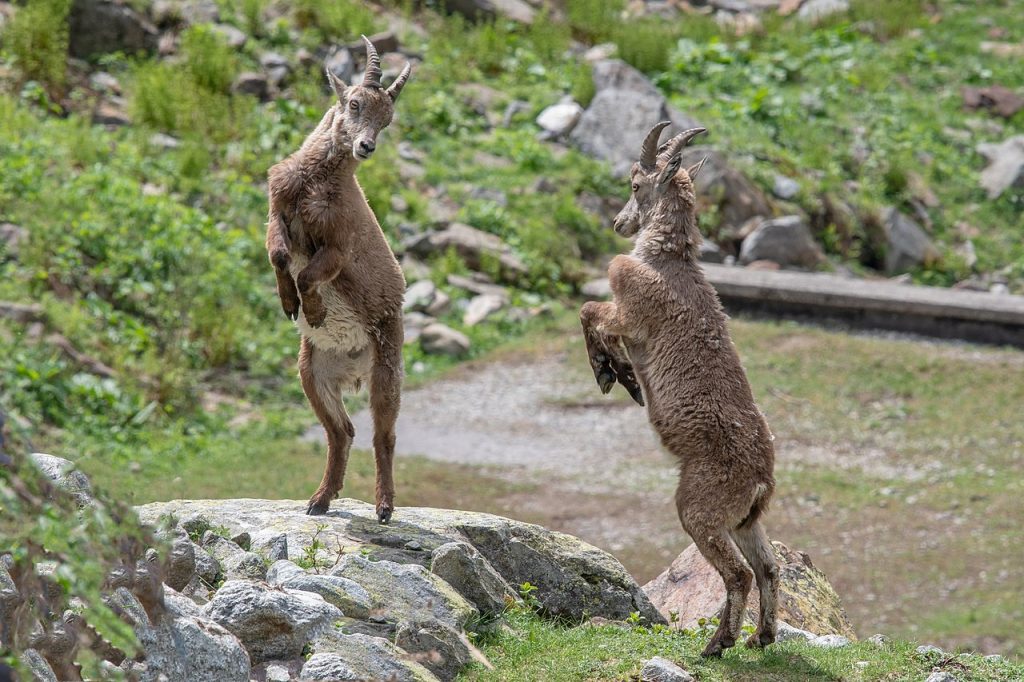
{"x": 671, "y": 325}
{"x": 337, "y": 276}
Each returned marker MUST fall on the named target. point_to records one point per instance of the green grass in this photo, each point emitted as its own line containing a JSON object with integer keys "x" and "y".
{"x": 532, "y": 650}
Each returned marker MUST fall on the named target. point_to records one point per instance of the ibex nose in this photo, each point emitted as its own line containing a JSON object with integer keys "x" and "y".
{"x": 366, "y": 146}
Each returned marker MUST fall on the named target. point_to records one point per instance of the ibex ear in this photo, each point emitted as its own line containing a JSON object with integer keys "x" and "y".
{"x": 695, "y": 168}
{"x": 669, "y": 171}
{"x": 338, "y": 85}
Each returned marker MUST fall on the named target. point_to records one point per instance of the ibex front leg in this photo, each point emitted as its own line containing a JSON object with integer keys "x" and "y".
{"x": 322, "y": 267}
{"x": 602, "y": 332}
{"x": 278, "y": 247}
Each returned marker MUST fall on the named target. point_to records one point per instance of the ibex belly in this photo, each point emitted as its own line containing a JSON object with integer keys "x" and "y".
{"x": 342, "y": 331}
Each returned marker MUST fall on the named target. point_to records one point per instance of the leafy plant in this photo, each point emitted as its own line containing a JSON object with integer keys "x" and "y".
{"x": 37, "y": 38}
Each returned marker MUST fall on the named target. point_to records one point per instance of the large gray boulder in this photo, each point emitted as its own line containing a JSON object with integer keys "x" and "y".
{"x": 103, "y": 26}
{"x": 348, "y": 595}
{"x": 517, "y": 10}
{"x": 787, "y": 241}
{"x": 183, "y": 644}
{"x": 440, "y": 339}
{"x": 65, "y": 475}
{"x": 625, "y": 106}
{"x": 573, "y": 577}
{"x": 361, "y": 657}
{"x": 271, "y": 622}
{"x": 460, "y": 565}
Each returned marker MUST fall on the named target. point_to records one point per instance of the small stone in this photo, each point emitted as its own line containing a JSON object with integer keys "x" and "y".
{"x": 600, "y": 52}
{"x": 815, "y": 10}
{"x": 878, "y": 639}
{"x": 660, "y": 669}
{"x": 252, "y": 83}
{"x": 994, "y": 658}
{"x": 481, "y": 307}
{"x": 785, "y": 188}
{"x": 164, "y": 141}
{"x": 414, "y": 324}
{"x": 398, "y": 204}
{"x": 65, "y": 476}
{"x": 419, "y": 296}
{"x": 105, "y": 82}
{"x": 110, "y": 115}
{"x": 710, "y": 253}
{"x": 438, "y": 647}
{"x": 788, "y": 633}
{"x": 439, "y": 339}
{"x": 908, "y": 246}
{"x": 559, "y": 119}
{"x": 930, "y": 650}
{"x": 1006, "y": 165}
{"x": 11, "y": 238}
{"x": 243, "y": 540}
{"x": 787, "y": 241}
{"x": 414, "y": 545}
{"x": 941, "y": 676}
{"x": 234, "y": 37}
{"x": 830, "y": 641}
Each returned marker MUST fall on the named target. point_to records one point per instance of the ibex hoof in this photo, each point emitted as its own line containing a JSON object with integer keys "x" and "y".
{"x": 384, "y": 515}
{"x": 316, "y": 508}
{"x": 636, "y": 394}
{"x": 712, "y": 650}
{"x": 605, "y": 379}
{"x": 760, "y": 640}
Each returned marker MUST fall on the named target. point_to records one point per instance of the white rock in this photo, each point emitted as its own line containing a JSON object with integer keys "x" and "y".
{"x": 419, "y": 296}
{"x": 560, "y": 119}
{"x": 785, "y": 188}
{"x": 349, "y": 596}
{"x": 788, "y": 633}
{"x": 481, "y": 307}
{"x": 65, "y": 475}
{"x": 597, "y": 289}
{"x": 814, "y": 10}
{"x": 660, "y": 669}
{"x": 830, "y": 641}
{"x": 994, "y": 658}
{"x": 786, "y": 240}
{"x": 1006, "y": 165}
{"x": 878, "y": 639}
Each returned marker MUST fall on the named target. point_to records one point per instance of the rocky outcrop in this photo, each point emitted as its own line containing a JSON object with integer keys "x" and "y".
{"x": 572, "y": 577}
{"x": 907, "y": 245}
{"x": 624, "y": 107}
{"x": 472, "y": 245}
{"x": 691, "y": 589}
{"x": 723, "y": 189}
{"x": 65, "y": 476}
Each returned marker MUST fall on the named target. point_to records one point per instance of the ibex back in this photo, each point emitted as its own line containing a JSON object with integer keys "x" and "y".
{"x": 337, "y": 277}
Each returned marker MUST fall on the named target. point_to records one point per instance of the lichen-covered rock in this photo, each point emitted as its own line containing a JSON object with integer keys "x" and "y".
{"x": 207, "y": 568}
{"x": 65, "y": 476}
{"x": 573, "y": 577}
{"x": 361, "y": 657}
{"x": 439, "y": 648}
{"x": 465, "y": 569}
{"x": 37, "y": 665}
{"x": 348, "y": 595}
{"x": 406, "y": 592}
{"x": 183, "y": 644}
{"x": 692, "y": 589}
{"x": 270, "y": 622}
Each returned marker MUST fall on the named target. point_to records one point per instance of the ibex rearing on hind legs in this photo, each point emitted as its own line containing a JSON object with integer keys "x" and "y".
{"x": 664, "y": 337}
{"x": 337, "y": 277}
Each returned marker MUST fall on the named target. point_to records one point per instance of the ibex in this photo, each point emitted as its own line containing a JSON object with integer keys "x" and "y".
{"x": 337, "y": 277}
{"x": 664, "y": 338}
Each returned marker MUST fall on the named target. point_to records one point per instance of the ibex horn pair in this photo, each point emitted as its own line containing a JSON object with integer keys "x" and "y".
{"x": 373, "y": 74}
{"x": 650, "y": 151}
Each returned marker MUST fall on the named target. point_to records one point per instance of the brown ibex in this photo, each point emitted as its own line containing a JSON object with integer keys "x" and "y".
{"x": 337, "y": 277}
{"x": 664, "y": 337}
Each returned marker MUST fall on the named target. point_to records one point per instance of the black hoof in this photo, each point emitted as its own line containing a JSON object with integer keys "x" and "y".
{"x": 636, "y": 394}
{"x": 317, "y": 508}
{"x": 384, "y": 516}
{"x": 712, "y": 650}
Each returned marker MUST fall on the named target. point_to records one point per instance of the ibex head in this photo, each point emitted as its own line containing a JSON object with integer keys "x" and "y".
{"x": 367, "y": 107}
{"x": 652, "y": 176}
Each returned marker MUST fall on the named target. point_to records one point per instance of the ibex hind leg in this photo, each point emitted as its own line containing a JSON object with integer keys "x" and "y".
{"x": 753, "y": 542}
{"x": 322, "y": 386}
{"x": 385, "y": 400}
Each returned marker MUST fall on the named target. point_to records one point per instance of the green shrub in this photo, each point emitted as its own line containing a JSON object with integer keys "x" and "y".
{"x": 37, "y": 38}
{"x": 335, "y": 20}
{"x": 208, "y": 58}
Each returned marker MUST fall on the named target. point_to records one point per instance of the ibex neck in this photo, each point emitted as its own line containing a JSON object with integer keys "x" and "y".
{"x": 329, "y": 145}
{"x": 669, "y": 233}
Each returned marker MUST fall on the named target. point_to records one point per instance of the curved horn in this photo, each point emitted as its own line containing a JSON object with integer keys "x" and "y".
{"x": 676, "y": 144}
{"x": 373, "y": 73}
{"x": 395, "y": 89}
{"x": 650, "y": 145}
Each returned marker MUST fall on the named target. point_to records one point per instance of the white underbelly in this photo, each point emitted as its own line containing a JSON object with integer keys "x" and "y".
{"x": 342, "y": 330}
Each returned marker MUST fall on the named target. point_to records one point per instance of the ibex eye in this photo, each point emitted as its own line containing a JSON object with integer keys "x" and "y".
{"x": 353, "y": 105}
{"x": 635, "y": 187}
